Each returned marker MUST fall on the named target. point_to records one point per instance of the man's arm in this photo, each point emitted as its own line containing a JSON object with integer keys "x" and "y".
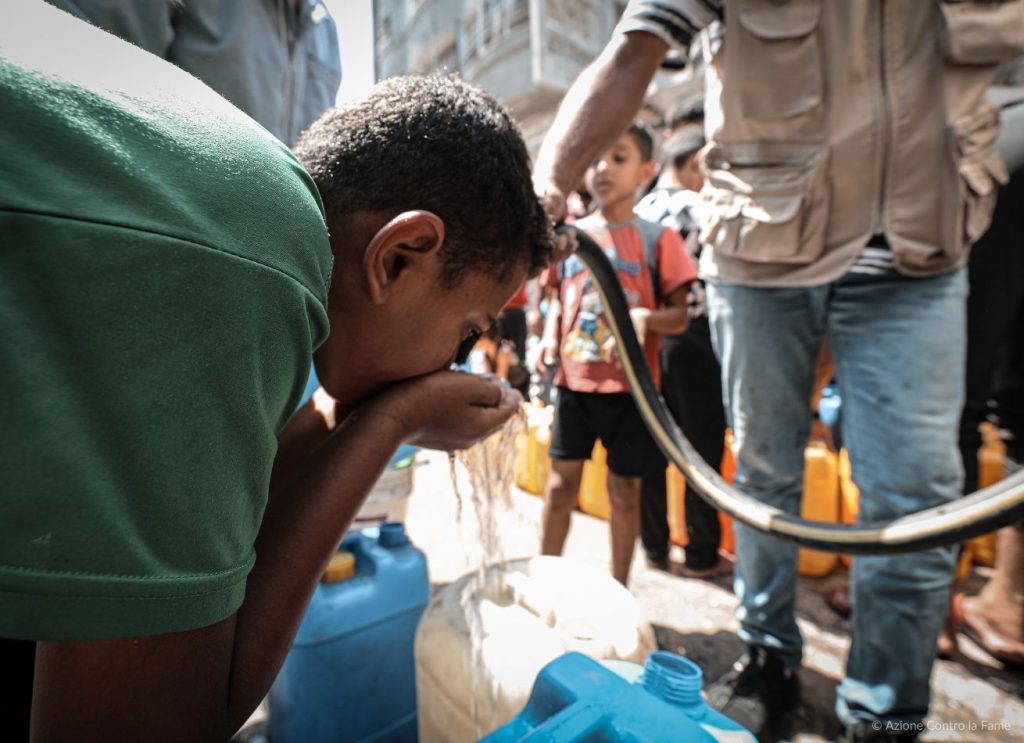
{"x": 202, "y": 684}
{"x": 607, "y": 95}
{"x": 597, "y": 109}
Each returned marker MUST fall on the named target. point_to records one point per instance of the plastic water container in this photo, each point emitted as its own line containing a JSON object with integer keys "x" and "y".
{"x": 577, "y": 699}
{"x": 484, "y": 639}
{"x": 820, "y": 503}
{"x": 388, "y": 500}
{"x": 593, "y": 497}
{"x": 533, "y": 461}
{"x": 675, "y": 491}
{"x": 350, "y": 674}
{"x": 849, "y": 497}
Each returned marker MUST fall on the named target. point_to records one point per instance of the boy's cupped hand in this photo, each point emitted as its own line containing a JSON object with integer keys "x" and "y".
{"x": 449, "y": 410}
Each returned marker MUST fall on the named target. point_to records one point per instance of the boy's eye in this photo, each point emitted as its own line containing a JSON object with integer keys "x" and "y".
{"x": 466, "y": 346}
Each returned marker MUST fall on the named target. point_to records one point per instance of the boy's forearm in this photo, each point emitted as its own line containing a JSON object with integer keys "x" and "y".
{"x": 302, "y": 526}
{"x": 668, "y": 320}
{"x": 553, "y": 322}
{"x": 203, "y": 684}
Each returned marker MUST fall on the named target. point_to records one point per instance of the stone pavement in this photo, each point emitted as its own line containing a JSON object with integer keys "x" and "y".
{"x": 974, "y": 697}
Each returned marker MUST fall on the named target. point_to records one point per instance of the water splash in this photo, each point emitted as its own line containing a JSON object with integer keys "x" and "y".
{"x": 484, "y": 478}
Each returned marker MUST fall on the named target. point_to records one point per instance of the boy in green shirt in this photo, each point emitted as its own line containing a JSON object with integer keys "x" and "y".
{"x": 165, "y": 274}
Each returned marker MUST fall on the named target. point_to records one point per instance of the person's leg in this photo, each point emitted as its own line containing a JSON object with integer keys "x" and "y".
{"x": 559, "y": 502}
{"x": 572, "y": 440}
{"x": 995, "y": 617}
{"x": 632, "y": 455}
{"x": 767, "y": 341}
{"x": 513, "y": 328}
{"x": 17, "y": 659}
{"x": 624, "y": 495}
{"x": 994, "y": 304}
{"x": 1009, "y": 390}
{"x": 696, "y": 400}
{"x": 898, "y": 345}
{"x": 654, "y": 528}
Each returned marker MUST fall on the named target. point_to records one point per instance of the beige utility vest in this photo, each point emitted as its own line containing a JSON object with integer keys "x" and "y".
{"x": 830, "y": 121}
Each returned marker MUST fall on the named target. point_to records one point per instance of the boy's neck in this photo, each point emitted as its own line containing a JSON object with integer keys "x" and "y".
{"x": 621, "y": 211}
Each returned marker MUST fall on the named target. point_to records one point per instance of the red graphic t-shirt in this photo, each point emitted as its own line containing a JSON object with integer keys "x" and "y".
{"x": 588, "y": 360}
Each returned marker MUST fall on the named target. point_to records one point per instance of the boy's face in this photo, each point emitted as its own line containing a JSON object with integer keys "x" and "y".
{"x": 618, "y": 172}
{"x": 689, "y": 174}
{"x": 411, "y": 324}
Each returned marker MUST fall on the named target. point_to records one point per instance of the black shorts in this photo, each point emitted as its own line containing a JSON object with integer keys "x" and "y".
{"x": 583, "y": 417}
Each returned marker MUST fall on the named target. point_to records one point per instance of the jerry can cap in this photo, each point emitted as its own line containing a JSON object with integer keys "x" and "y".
{"x": 341, "y": 567}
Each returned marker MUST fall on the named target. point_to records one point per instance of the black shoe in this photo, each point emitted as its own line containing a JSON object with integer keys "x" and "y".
{"x": 876, "y": 732}
{"x": 659, "y": 562}
{"x": 757, "y": 692}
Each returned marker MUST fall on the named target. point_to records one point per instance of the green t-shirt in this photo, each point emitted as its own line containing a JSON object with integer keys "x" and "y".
{"x": 164, "y": 265}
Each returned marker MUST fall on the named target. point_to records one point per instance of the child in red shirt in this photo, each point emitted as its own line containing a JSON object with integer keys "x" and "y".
{"x": 593, "y": 400}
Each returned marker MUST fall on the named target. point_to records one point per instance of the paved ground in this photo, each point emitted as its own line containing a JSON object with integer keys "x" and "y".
{"x": 974, "y": 697}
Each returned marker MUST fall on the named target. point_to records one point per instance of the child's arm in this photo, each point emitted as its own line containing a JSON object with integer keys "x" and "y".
{"x": 203, "y": 684}
{"x": 671, "y": 319}
{"x": 552, "y": 337}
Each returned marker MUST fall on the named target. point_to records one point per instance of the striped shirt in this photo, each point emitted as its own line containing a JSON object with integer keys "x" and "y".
{"x": 676, "y": 22}
{"x": 875, "y": 259}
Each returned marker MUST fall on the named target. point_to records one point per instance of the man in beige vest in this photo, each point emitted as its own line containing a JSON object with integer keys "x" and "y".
{"x": 850, "y": 166}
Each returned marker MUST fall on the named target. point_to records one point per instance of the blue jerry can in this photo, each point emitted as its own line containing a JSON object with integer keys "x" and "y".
{"x": 576, "y": 699}
{"x": 350, "y": 674}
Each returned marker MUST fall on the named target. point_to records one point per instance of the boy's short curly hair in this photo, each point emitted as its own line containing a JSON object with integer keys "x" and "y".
{"x": 439, "y": 144}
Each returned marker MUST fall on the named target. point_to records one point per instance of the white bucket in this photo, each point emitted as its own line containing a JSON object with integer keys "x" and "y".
{"x": 389, "y": 498}
{"x": 529, "y": 612}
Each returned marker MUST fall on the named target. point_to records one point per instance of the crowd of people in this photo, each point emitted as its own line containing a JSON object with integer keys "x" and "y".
{"x": 171, "y": 266}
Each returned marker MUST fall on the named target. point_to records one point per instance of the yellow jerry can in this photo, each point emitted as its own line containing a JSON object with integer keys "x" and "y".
{"x": 593, "y": 498}
{"x": 820, "y": 503}
{"x": 533, "y": 463}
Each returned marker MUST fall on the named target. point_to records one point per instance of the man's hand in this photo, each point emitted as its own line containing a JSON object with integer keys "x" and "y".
{"x": 565, "y": 245}
{"x": 554, "y": 203}
{"x": 447, "y": 410}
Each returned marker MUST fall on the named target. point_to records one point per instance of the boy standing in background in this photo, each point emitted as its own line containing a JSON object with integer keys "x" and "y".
{"x": 691, "y": 376}
{"x": 593, "y": 401}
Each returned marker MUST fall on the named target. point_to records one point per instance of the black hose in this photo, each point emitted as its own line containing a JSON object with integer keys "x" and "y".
{"x": 978, "y": 513}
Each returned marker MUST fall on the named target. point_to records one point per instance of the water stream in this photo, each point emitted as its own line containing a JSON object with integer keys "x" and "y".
{"x": 484, "y": 478}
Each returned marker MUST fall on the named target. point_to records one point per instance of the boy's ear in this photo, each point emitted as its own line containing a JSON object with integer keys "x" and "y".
{"x": 409, "y": 238}
{"x": 647, "y": 170}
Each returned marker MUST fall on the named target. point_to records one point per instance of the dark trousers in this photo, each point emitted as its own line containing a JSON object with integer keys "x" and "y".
{"x": 691, "y": 383}
{"x": 17, "y": 661}
{"x": 995, "y": 326}
{"x": 513, "y": 328}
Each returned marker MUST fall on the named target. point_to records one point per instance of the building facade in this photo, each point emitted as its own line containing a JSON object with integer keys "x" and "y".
{"x": 526, "y": 53}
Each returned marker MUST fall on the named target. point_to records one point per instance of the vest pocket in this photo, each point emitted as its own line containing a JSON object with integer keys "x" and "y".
{"x": 766, "y": 202}
{"x": 981, "y": 168}
{"x": 982, "y": 31}
{"x": 779, "y": 61}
